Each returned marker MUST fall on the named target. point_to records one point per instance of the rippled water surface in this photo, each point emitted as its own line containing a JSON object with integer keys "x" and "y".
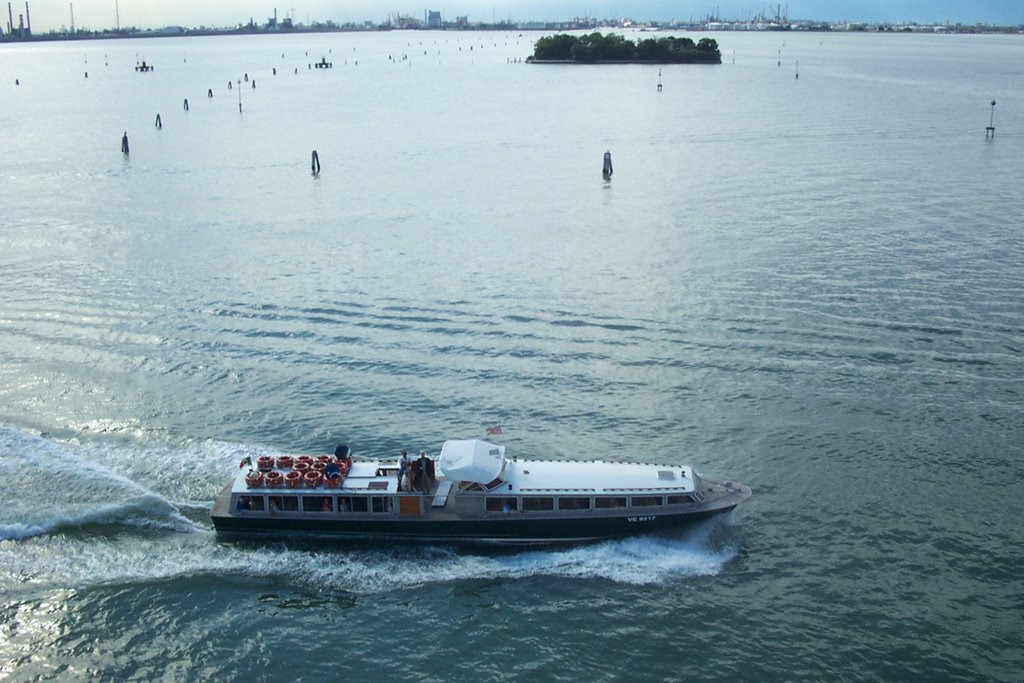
{"x": 810, "y": 285}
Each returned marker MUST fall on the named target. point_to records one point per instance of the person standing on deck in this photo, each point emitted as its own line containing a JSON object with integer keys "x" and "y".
{"x": 424, "y": 476}
{"x": 404, "y": 463}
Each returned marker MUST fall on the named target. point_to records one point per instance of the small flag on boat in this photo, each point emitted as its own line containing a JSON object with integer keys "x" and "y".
{"x": 496, "y": 429}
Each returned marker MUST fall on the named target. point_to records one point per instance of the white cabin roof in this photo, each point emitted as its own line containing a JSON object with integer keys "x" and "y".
{"x": 568, "y": 476}
{"x": 471, "y": 460}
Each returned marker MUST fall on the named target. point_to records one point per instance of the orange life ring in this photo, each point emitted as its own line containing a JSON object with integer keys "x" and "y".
{"x": 301, "y": 466}
{"x": 273, "y": 479}
{"x": 265, "y": 463}
{"x": 293, "y": 479}
{"x": 254, "y": 480}
{"x": 324, "y": 458}
{"x": 318, "y": 466}
{"x": 313, "y": 479}
{"x": 285, "y": 462}
{"x": 332, "y": 483}
{"x": 305, "y": 458}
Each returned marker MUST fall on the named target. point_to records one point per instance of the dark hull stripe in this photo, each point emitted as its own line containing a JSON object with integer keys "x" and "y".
{"x": 501, "y": 529}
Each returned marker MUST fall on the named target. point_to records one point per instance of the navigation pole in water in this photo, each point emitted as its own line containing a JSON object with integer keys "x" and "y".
{"x": 990, "y": 129}
{"x": 606, "y": 171}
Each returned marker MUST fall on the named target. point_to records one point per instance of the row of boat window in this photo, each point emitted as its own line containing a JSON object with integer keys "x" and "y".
{"x": 314, "y": 503}
{"x": 258, "y": 503}
{"x": 544, "y": 503}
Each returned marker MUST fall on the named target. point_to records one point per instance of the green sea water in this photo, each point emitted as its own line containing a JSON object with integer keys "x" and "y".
{"x": 811, "y": 285}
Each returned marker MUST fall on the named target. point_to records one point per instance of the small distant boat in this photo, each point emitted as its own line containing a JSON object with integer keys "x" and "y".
{"x": 323, "y": 64}
{"x": 143, "y": 67}
{"x": 470, "y": 493}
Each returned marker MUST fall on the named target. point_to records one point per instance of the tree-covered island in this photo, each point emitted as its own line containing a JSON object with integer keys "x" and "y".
{"x": 613, "y": 48}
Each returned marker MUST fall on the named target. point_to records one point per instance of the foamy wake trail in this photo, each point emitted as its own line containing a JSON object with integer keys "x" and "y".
{"x": 74, "y": 560}
{"x": 54, "y": 489}
{"x": 137, "y": 513}
{"x": 638, "y": 561}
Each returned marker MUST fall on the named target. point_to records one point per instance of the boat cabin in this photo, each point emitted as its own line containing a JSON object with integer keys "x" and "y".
{"x": 473, "y": 479}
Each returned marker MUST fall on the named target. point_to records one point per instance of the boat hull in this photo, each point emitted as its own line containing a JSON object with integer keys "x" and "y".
{"x": 508, "y": 529}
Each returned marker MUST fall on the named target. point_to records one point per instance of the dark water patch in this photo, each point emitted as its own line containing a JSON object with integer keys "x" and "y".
{"x": 341, "y": 341}
{"x": 324, "y": 602}
{"x": 519, "y": 335}
{"x": 907, "y": 327}
{"x": 421, "y": 318}
{"x": 569, "y": 323}
{"x": 888, "y": 358}
{"x": 976, "y": 362}
{"x": 376, "y": 325}
{"x": 524, "y": 353}
{"x": 319, "y": 316}
{"x": 614, "y": 327}
{"x": 273, "y": 334}
{"x": 656, "y": 362}
{"x": 447, "y": 331}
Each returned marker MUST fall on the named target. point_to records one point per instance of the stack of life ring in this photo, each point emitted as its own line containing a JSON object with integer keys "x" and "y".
{"x": 313, "y": 478}
{"x": 265, "y": 463}
{"x": 273, "y": 479}
{"x": 254, "y": 479}
{"x": 293, "y": 479}
{"x": 285, "y": 462}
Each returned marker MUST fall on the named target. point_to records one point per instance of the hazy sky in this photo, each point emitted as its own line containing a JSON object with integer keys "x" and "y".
{"x": 95, "y": 14}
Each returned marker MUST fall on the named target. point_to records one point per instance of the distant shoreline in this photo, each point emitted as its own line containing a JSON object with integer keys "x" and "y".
{"x": 176, "y": 32}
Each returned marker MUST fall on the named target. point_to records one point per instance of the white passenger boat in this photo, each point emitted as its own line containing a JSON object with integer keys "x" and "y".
{"x": 471, "y": 492}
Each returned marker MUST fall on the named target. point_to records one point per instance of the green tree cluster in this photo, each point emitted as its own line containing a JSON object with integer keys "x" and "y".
{"x": 594, "y": 47}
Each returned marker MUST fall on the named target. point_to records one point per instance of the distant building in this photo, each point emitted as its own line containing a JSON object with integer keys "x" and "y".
{"x": 434, "y": 19}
